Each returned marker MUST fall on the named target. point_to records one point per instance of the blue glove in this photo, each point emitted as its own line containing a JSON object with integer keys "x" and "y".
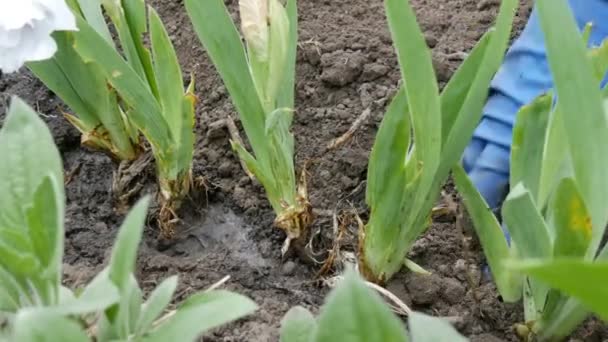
{"x": 524, "y": 75}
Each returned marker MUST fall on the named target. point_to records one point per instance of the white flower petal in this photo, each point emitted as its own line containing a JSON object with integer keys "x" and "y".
{"x": 9, "y": 38}
{"x": 44, "y": 49}
{"x": 26, "y": 27}
{"x": 63, "y": 19}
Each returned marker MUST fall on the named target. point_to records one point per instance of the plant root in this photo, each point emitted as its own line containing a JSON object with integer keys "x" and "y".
{"x": 338, "y": 142}
{"x": 295, "y": 221}
{"x": 170, "y": 197}
{"x": 335, "y": 255}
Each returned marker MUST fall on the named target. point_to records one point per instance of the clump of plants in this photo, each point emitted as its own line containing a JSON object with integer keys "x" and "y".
{"x": 555, "y": 212}
{"x": 422, "y": 136}
{"x": 120, "y": 90}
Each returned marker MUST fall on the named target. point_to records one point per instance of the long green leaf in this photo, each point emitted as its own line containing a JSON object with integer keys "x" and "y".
{"x": 584, "y": 280}
{"x": 421, "y": 88}
{"x": 51, "y": 72}
{"x": 168, "y": 75}
{"x": 455, "y": 91}
{"x": 286, "y": 95}
{"x": 221, "y": 39}
{"x": 490, "y": 234}
{"x": 532, "y": 240}
{"x": 526, "y": 224}
{"x": 556, "y": 159}
{"x": 387, "y": 159}
{"x": 529, "y": 136}
{"x": 571, "y": 220}
{"x": 469, "y": 114}
{"x": 147, "y": 113}
{"x": 583, "y": 113}
{"x": 91, "y": 9}
{"x": 124, "y": 252}
{"x": 471, "y": 110}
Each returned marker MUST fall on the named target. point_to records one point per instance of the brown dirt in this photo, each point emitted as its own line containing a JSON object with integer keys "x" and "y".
{"x": 346, "y": 64}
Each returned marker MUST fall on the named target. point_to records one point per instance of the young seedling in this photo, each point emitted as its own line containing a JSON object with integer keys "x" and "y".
{"x": 34, "y": 306}
{"x": 555, "y": 212}
{"x": 142, "y": 92}
{"x": 260, "y": 80}
{"x": 422, "y": 136}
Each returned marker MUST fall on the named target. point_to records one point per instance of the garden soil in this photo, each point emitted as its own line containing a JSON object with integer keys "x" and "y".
{"x": 346, "y": 66}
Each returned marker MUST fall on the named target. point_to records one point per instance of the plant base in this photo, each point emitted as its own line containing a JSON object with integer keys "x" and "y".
{"x": 295, "y": 221}
{"x": 170, "y": 198}
{"x": 124, "y": 181}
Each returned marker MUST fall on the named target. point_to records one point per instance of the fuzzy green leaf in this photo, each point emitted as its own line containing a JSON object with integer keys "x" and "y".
{"x": 156, "y": 304}
{"x": 425, "y": 328}
{"x": 353, "y": 312}
{"x": 44, "y": 325}
{"x": 29, "y": 155}
{"x": 298, "y": 325}
{"x": 124, "y": 252}
{"x": 200, "y": 313}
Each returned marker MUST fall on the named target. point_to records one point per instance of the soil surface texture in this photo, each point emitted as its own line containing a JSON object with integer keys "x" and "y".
{"x": 346, "y": 65}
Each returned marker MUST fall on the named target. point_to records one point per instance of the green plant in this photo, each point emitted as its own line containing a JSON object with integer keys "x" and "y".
{"x": 353, "y": 312}
{"x": 113, "y": 94}
{"x": 260, "y": 80}
{"x": 99, "y": 114}
{"x": 421, "y": 138}
{"x": 556, "y": 211}
{"x": 34, "y": 306}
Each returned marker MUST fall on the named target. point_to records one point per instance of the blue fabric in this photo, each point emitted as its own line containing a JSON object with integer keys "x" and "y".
{"x": 524, "y": 75}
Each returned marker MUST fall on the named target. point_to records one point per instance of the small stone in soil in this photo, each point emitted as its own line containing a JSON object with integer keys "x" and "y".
{"x": 460, "y": 269}
{"x": 341, "y": 68}
{"x": 453, "y": 290}
{"x": 212, "y": 155}
{"x": 288, "y": 268}
{"x": 431, "y": 40}
{"x": 225, "y": 169}
{"x": 373, "y": 71}
{"x": 398, "y": 289}
{"x": 423, "y": 289}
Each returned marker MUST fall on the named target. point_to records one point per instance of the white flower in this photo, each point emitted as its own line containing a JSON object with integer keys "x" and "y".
{"x": 26, "y": 27}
